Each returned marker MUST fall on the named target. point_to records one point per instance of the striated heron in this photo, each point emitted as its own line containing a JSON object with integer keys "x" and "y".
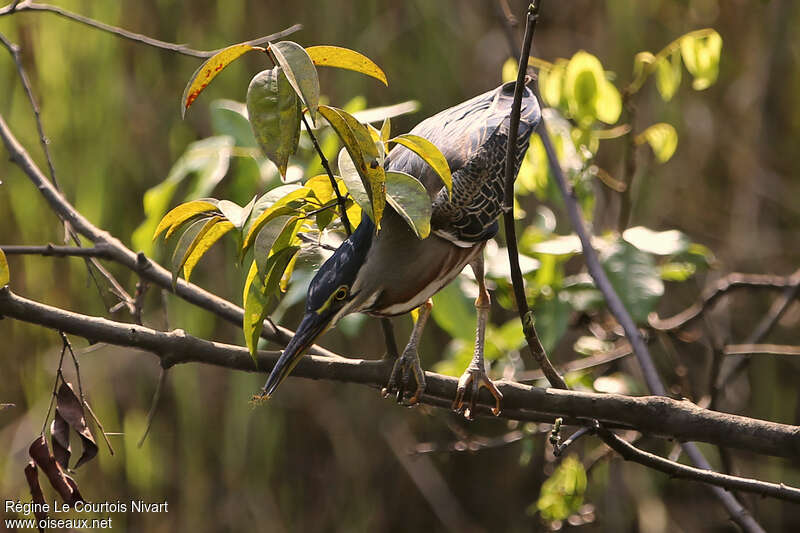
{"x": 392, "y": 272}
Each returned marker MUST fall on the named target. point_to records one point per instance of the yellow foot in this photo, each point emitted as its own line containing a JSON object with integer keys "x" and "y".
{"x": 406, "y": 366}
{"x": 475, "y": 379}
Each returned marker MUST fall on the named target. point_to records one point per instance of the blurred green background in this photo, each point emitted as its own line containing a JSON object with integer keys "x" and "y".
{"x": 319, "y": 457}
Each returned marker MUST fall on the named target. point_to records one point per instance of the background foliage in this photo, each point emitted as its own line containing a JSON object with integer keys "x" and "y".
{"x": 110, "y": 109}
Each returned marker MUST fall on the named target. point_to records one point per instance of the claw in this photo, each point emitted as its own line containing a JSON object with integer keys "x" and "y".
{"x": 475, "y": 379}
{"x": 405, "y": 366}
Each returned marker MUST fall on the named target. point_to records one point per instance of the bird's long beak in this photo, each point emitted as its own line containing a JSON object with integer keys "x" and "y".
{"x": 311, "y": 327}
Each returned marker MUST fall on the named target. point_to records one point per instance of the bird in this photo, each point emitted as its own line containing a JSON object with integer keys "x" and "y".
{"x": 392, "y": 272}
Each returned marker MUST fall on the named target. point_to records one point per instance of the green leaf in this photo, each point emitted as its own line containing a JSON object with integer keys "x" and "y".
{"x": 5, "y": 275}
{"x": 701, "y": 53}
{"x": 277, "y": 202}
{"x": 274, "y": 111}
{"x": 334, "y": 56}
{"x": 203, "y": 244}
{"x": 551, "y": 83}
{"x": 509, "y": 70}
{"x": 677, "y": 271}
{"x": 209, "y": 70}
{"x": 670, "y": 242}
{"x": 277, "y": 234}
{"x": 364, "y": 156}
{"x": 353, "y": 181}
{"x": 454, "y": 313}
{"x": 562, "y": 493}
{"x": 642, "y": 66}
{"x": 181, "y": 214}
{"x": 410, "y": 199}
{"x": 668, "y": 75}
{"x": 208, "y": 159}
{"x": 229, "y": 117}
{"x": 588, "y": 93}
{"x": 635, "y": 277}
{"x": 187, "y": 243}
{"x": 258, "y": 290}
{"x": 552, "y": 319}
{"x": 662, "y": 138}
{"x": 301, "y": 73}
{"x": 430, "y": 154}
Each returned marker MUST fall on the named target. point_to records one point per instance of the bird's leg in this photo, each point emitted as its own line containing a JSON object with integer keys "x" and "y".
{"x": 475, "y": 376}
{"x": 408, "y": 364}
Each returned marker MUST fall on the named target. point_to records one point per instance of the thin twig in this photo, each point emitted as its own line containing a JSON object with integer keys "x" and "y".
{"x": 724, "y": 285}
{"x": 534, "y": 344}
{"x": 629, "y": 452}
{"x": 59, "y": 376}
{"x": 151, "y": 414}
{"x": 100, "y": 251}
{"x": 139, "y": 263}
{"x": 133, "y": 36}
{"x": 765, "y": 349}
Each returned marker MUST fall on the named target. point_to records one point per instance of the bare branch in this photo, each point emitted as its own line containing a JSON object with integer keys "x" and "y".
{"x": 724, "y": 285}
{"x": 631, "y": 453}
{"x": 139, "y": 263}
{"x": 654, "y": 415}
{"x": 101, "y": 251}
{"x": 765, "y": 349}
{"x": 18, "y": 7}
{"x": 533, "y": 342}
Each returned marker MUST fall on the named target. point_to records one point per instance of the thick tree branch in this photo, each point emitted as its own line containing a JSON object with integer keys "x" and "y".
{"x": 139, "y": 263}
{"x": 655, "y": 415}
{"x": 18, "y": 7}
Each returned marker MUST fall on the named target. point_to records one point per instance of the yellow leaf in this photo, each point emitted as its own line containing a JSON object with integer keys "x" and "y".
{"x": 278, "y": 208}
{"x": 334, "y": 56}
{"x": 430, "y": 154}
{"x": 363, "y": 153}
{"x": 208, "y": 71}
{"x": 206, "y": 242}
{"x": 5, "y": 275}
{"x": 181, "y": 214}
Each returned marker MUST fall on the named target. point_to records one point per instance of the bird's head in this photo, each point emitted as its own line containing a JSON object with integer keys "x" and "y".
{"x": 502, "y": 100}
{"x": 330, "y": 297}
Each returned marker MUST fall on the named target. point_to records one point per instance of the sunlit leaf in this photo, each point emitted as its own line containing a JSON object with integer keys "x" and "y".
{"x": 430, "y": 154}
{"x": 207, "y": 159}
{"x": 562, "y": 493}
{"x": 386, "y": 130}
{"x": 657, "y": 242}
{"x": 410, "y": 199}
{"x": 363, "y": 155}
{"x": 321, "y": 187}
{"x": 353, "y": 181}
{"x": 509, "y": 70}
{"x": 662, "y": 138}
{"x": 334, "y": 56}
{"x": 301, "y": 73}
{"x": 582, "y": 80}
{"x": 668, "y": 75}
{"x": 609, "y": 103}
{"x": 559, "y": 245}
{"x": 551, "y": 83}
{"x": 208, "y": 70}
{"x": 259, "y": 287}
{"x": 677, "y": 271}
{"x": 5, "y": 275}
{"x": 276, "y": 202}
{"x": 193, "y": 234}
{"x": 635, "y": 277}
{"x": 642, "y": 65}
{"x": 229, "y": 117}
{"x": 203, "y": 244}
{"x": 274, "y": 111}
{"x": 701, "y": 53}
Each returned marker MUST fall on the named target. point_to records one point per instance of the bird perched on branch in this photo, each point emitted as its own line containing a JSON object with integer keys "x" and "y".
{"x": 392, "y": 272}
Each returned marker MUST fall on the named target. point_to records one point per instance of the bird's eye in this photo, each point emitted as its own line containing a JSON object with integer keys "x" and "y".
{"x": 341, "y": 293}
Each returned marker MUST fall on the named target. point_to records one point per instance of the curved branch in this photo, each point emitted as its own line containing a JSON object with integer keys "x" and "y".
{"x": 724, "y": 285}
{"x": 19, "y": 7}
{"x": 656, "y": 415}
{"x": 139, "y": 263}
